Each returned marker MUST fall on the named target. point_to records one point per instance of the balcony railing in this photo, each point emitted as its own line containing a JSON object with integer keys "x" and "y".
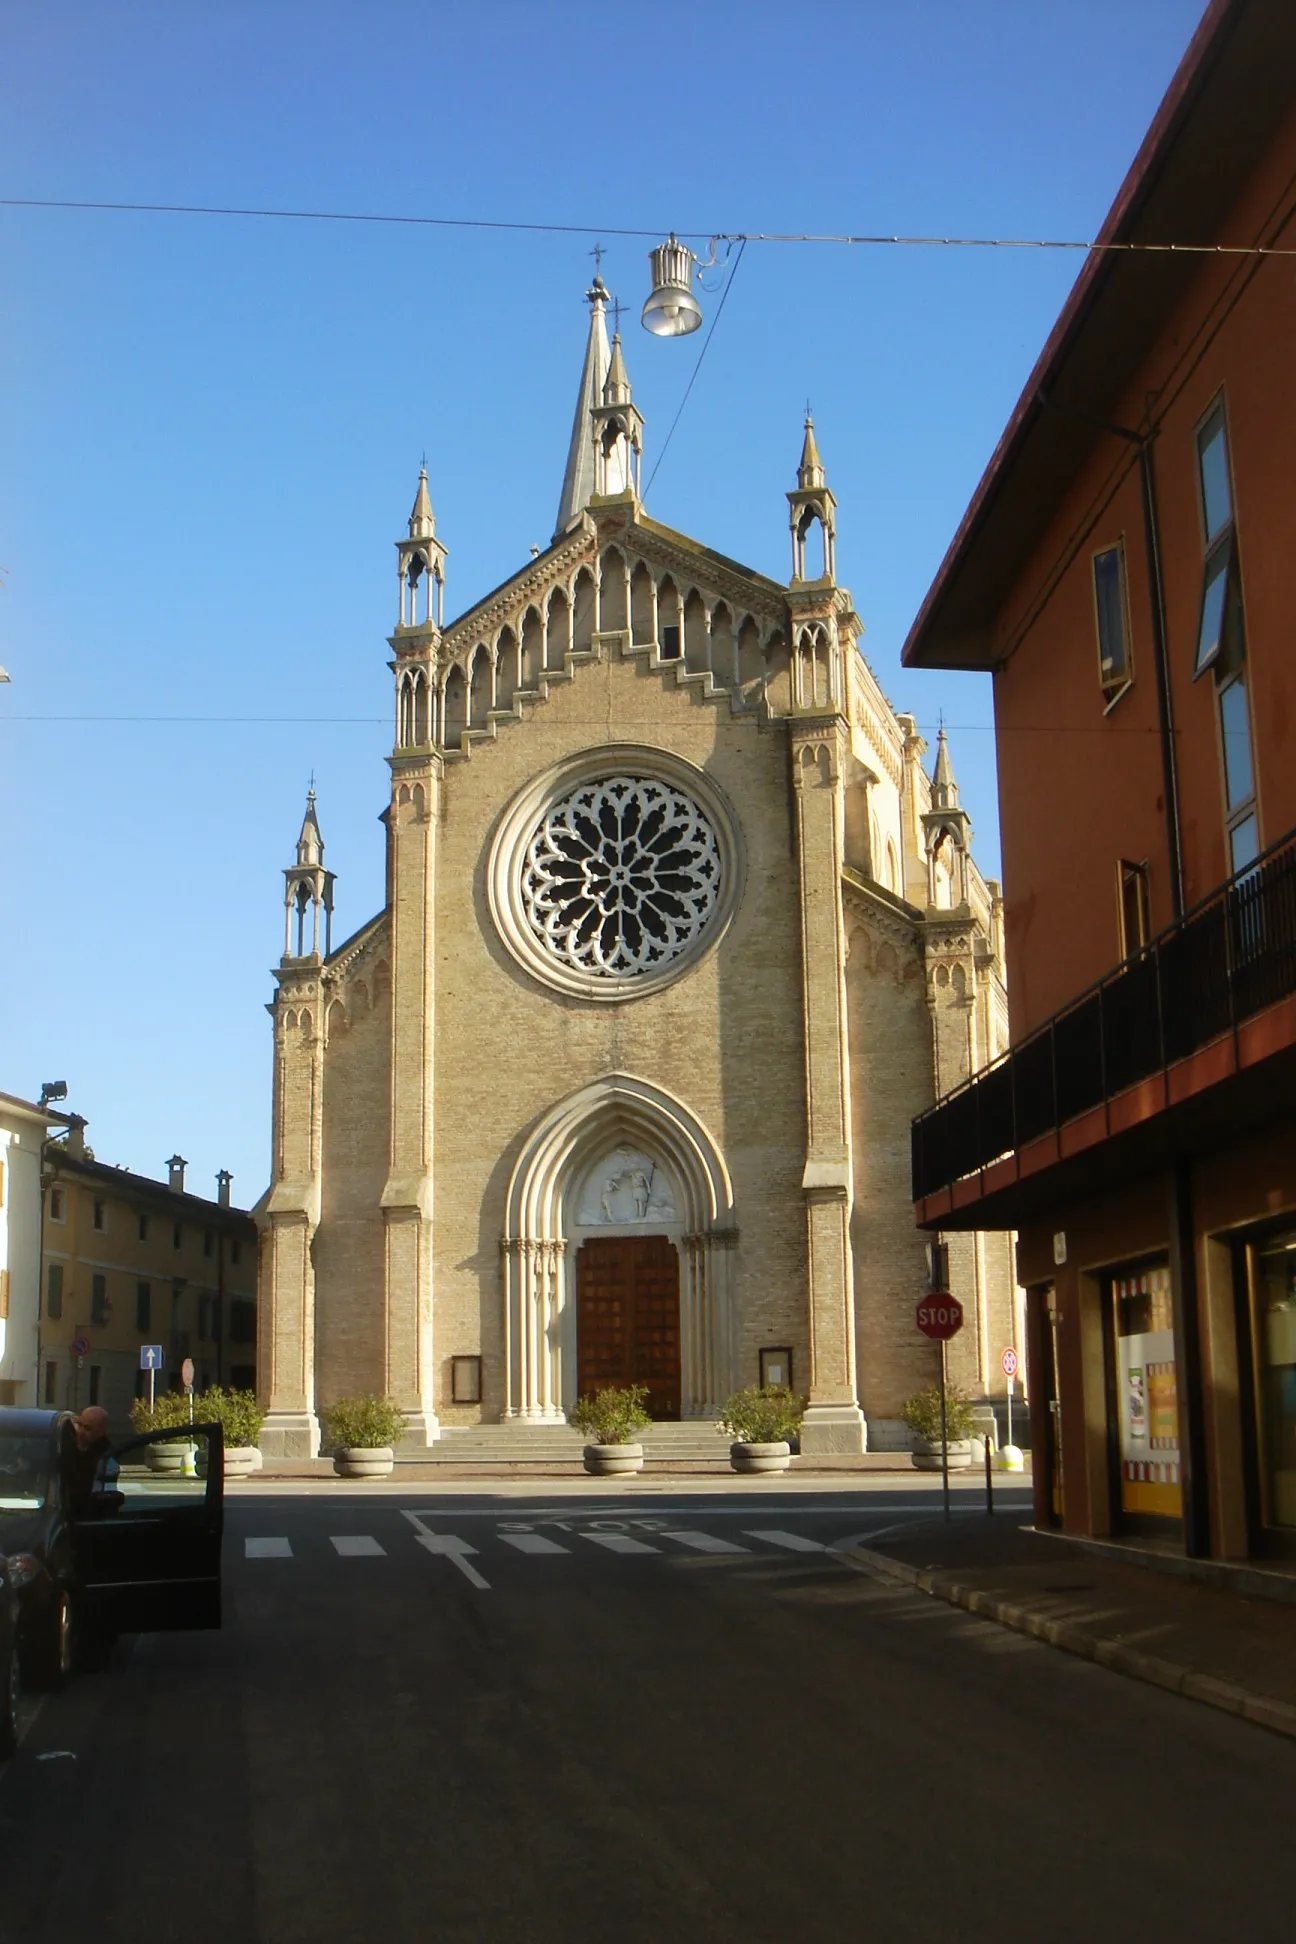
{"x": 1229, "y": 958}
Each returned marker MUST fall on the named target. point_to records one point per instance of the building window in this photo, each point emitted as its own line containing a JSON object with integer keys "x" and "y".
{"x": 175, "y": 1235}
{"x": 209, "y": 1242}
{"x": 670, "y": 644}
{"x": 242, "y": 1377}
{"x": 204, "y": 1316}
{"x": 97, "y": 1216}
{"x": 143, "y": 1306}
{"x": 242, "y": 1320}
{"x": 54, "y": 1291}
{"x": 1134, "y": 906}
{"x": 51, "y": 1383}
{"x": 57, "y": 1205}
{"x": 236, "y": 1251}
{"x": 1111, "y": 615}
{"x": 100, "y": 1308}
{"x": 1239, "y": 776}
{"x": 1219, "y": 626}
{"x": 143, "y": 1226}
{"x": 95, "y": 1375}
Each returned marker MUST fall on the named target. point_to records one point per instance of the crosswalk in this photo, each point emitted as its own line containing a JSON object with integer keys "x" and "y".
{"x": 657, "y": 1541}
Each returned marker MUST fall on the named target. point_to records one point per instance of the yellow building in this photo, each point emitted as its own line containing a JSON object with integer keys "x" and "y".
{"x": 128, "y": 1261}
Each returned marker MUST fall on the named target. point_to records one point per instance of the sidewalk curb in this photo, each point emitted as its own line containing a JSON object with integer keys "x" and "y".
{"x": 1280, "y": 1716}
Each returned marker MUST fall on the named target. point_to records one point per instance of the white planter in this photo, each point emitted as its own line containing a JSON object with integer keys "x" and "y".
{"x": 611, "y": 1461}
{"x": 761, "y": 1457}
{"x": 927, "y": 1457}
{"x": 364, "y": 1461}
{"x": 240, "y": 1460}
{"x": 169, "y": 1457}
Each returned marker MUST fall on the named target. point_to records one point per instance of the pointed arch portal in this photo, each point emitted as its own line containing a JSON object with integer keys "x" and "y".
{"x": 618, "y": 1157}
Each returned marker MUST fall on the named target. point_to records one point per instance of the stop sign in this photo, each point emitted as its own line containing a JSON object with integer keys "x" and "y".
{"x": 940, "y": 1316}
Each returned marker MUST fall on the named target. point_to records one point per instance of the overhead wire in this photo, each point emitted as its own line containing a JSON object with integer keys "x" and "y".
{"x": 862, "y": 239}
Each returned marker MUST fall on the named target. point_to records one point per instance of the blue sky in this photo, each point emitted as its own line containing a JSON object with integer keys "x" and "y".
{"x": 211, "y": 428}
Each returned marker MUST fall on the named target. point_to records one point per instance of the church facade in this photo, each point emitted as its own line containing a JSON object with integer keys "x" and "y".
{"x": 679, "y": 935}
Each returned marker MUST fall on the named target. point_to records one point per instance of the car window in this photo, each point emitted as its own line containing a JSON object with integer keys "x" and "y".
{"x": 161, "y": 1475}
{"x": 24, "y": 1471}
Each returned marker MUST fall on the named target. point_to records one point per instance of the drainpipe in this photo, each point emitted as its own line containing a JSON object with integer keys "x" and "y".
{"x": 1165, "y": 703}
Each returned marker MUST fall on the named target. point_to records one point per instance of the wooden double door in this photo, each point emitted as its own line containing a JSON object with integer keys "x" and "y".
{"x": 628, "y": 1317}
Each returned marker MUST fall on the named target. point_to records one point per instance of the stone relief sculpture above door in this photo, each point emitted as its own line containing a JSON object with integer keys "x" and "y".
{"x": 625, "y": 1186}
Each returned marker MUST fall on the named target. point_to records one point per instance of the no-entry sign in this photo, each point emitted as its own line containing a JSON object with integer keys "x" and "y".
{"x": 1008, "y": 1362}
{"x": 939, "y": 1316}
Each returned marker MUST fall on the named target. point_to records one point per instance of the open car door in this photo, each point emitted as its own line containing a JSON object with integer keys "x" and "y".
{"x": 147, "y": 1540}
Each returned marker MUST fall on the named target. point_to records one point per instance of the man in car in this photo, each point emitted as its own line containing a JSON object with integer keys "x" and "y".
{"x": 90, "y": 1430}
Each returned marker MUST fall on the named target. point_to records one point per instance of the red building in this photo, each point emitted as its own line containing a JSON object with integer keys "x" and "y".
{"x": 1127, "y": 573}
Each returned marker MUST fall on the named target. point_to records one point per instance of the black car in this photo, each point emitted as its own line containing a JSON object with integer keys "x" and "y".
{"x": 120, "y": 1538}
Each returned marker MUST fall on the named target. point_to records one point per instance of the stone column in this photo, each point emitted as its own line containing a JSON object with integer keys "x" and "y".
{"x": 833, "y": 1421}
{"x": 288, "y": 1218}
{"x": 407, "y": 1193}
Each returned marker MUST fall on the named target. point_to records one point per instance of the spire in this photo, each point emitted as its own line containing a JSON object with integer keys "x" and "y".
{"x": 310, "y": 845}
{"x": 422, "y": 525}
{"x": 578, "y": 480}
{"x": 945, "y": 794}
{"x": 813, "y": 504}
{"x": 810, "y": 473}
{"x": 308, "y": 888}
{"x": 616, "y": 386}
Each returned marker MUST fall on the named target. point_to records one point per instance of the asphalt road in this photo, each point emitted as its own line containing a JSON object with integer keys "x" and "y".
{"x": 592, "y": 1726}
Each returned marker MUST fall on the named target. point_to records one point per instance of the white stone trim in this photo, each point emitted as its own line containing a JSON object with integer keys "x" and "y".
{"x": 518, "y": 824}
{"x": 538, "y": 1248}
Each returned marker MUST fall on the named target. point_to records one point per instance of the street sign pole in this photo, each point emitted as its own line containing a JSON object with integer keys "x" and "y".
{"x": 944, "y": 1439}
{"x": 1010, "y": 1392}
{"x": 152, "y": 1387}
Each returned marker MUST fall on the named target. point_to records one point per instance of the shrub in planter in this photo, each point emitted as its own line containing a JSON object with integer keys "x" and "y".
{"x": 922, "y": 1414}
{"x": 169, "y": 1410}
{"x": 762, "y": 1422}
{"x": 763, "y": 1414}
{"x": 609, "y": 1419}
{"x": 363, "y": 1424}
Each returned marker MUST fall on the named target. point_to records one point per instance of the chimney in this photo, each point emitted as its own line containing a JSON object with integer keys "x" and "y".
{"x": 223, "y": 1181}
{"x": 175, "y": 1173}
{"x": 75, "y": 1143}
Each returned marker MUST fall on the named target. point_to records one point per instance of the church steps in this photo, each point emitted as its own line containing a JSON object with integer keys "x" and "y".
{"x": 691, "y": 1441}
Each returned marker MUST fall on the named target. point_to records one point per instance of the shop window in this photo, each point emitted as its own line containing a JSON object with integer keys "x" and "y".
{"x": 54, "y": 1291}
{"x": 1146, "y": 1397}
{"x": 1134, "y": 909}
{"x": 143, "y": 1307}
{"x": 100, "y": 1307}
{"x": 57, "y": 1205}
{"x": 1111, "y": 615}
{"x": 1273, "y": 1335}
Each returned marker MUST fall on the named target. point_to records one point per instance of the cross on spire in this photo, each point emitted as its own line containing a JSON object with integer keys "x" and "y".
{"x": 617, "y": 308}
{"x": 598, "y": 253}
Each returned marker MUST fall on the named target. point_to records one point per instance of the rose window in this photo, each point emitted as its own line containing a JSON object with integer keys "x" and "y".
{"x": 620, "y": 876}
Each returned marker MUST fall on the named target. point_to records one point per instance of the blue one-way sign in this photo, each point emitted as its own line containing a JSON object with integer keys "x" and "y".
{"x": 150, "y": 1356}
